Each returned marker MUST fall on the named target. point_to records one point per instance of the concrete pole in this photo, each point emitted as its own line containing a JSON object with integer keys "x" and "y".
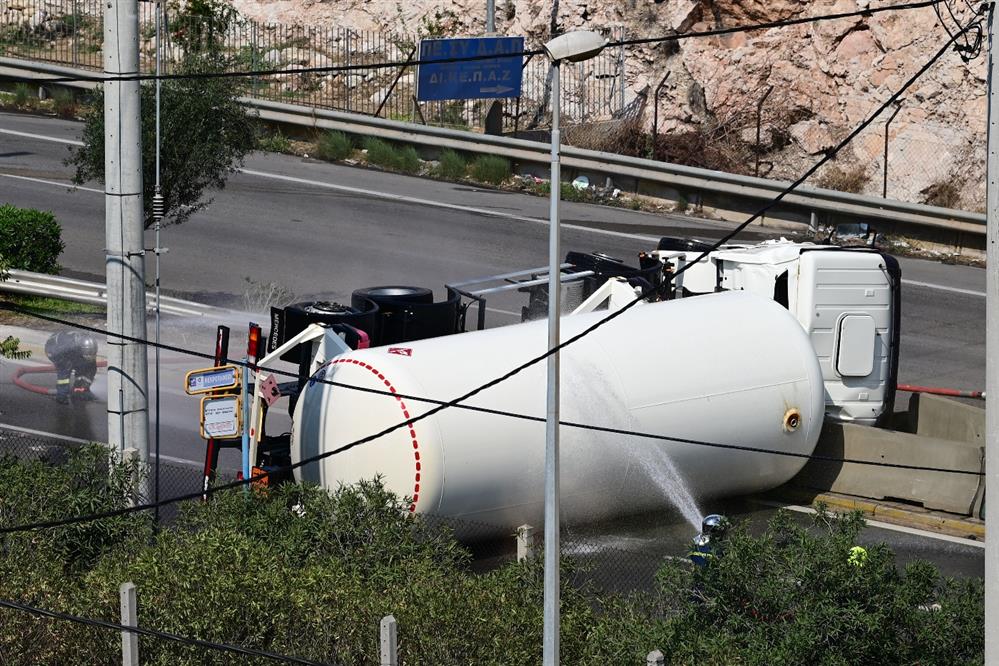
{"x": 552, "y": 603}
{"x": 128, "y": 419}
{"x": 992, "y": 365}
{"x": 129, "y": 618}
{"x": 389, "y": 641}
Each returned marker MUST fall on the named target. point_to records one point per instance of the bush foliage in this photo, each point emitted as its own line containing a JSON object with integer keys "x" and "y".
{"x": 334, "y": 146}
{"x": 452, "y": 166}
{"x": 491, "y": 169}
{"x": 30, "y": 239}
{"x": 205, "y": 135}
{"x": 297, "y": 570}
{"x": 389, "y": 156}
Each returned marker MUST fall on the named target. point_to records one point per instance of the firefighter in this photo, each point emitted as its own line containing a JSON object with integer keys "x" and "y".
{"x": 72, "y": 352}
{"x": 705, "y": 545}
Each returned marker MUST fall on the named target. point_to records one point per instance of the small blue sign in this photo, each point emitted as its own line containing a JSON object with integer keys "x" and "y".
{"x": 488, "y": 78}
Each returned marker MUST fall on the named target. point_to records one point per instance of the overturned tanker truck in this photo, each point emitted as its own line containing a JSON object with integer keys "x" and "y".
{"x": 753, "y": 346}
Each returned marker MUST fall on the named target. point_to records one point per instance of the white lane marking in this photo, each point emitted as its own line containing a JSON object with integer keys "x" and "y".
{"x": 883, "y": 526}
{"x": 941, "y": 287}
{"x": 503, "y": 312}
{"x": 68, "y": 186}
{"x": 77, "y": 440}
{"x": 41, "y": 137}
{"x": 436, "y": 204}
{"x": 372, "y": 193}
{"x": 439, "y": 204}
{"x": 41, "y": 433}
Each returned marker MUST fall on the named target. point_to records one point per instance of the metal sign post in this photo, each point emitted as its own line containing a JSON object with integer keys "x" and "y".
{"x": 992, "y": 364}
{"x": 212, "y": 451}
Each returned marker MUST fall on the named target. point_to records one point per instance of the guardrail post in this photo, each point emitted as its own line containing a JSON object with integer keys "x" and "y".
{"x": 655, "y": 658}
{"x": 525, "y": 543}
{"x": 129, "y": 617}
{"x": 389, "y": 641}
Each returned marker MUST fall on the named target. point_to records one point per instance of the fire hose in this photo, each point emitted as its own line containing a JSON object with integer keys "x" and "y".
{"x": 936, "y": 390}
{"x": 41, "y": 369}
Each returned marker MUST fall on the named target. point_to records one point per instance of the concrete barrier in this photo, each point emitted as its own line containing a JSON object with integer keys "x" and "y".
{"x": 956, "y": 493}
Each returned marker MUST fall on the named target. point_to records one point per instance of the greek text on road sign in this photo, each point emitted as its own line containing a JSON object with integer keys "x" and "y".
{"x": 206, "y": 380}
{"x": 488, "y": 77}
{"x": 221, "y": 417}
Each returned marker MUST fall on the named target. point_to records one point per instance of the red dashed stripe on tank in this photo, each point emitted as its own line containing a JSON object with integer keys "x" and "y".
{"x": 405, "y": 413}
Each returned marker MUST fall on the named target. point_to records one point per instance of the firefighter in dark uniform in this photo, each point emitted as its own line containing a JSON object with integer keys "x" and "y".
{"x": 72, "y": 352}
{"x": 705, "y": 546}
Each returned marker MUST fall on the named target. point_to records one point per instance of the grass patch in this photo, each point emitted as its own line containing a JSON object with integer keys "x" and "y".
{"x": 64, "y": 104}
{"x": 408, "y": 160}
{"x": 851, "y": 178}
{"x": 491, "y": 169}
{"x": 274, "y": 143}
{"x": 23, "y": 96}
{"x": 334, "y": 146}
{"x": 47, "y": 305}
{"x": 388, "y": 156}
{"x": 452, "y": 166}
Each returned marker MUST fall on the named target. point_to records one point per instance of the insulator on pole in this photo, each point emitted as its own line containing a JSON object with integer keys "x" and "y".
{"x": 158, "y": 206}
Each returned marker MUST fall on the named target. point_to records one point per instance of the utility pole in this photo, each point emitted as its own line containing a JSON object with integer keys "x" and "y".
{"x": 128, "y": 417}
{"x": 552, "y": 611}
{"x": 992, "y": 363}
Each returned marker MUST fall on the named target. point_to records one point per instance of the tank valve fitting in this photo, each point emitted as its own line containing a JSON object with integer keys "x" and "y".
{"x": 792, "y": 419}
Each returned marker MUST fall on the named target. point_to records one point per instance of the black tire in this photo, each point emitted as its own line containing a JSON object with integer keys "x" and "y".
{"x": 391, "y": 294}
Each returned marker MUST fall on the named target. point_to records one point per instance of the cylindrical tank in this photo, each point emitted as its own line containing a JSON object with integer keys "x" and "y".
{"x": 729, "y": 368}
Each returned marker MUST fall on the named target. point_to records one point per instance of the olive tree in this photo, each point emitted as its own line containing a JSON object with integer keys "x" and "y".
{"x": 205, "y": 135}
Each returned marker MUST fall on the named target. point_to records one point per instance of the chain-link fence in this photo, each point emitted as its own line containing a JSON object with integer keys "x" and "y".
{"x": 71, "y": 32}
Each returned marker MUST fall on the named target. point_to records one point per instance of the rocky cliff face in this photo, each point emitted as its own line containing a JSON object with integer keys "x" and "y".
{"x": 823, "y": 78}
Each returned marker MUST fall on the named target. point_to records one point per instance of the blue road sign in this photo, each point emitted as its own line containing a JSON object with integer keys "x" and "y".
{"x": 470, "y": 79}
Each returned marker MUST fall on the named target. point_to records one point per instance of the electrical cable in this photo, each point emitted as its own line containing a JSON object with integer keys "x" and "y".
{"x": 153, "y": 633}
{"x": 505, "y": 413}
{"x": 455, "y": 402}
{"x": 326, "y": 69}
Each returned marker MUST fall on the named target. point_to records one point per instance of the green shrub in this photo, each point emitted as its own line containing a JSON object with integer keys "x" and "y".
{"x": 297, "y": 570}
{"x": 381, "y": 153}
{"x": 64, "y": 104}
{"x": 388, "y": 156}
{"x": 452, "y": 166}
{"x": 792, "y": 596}
{"x": 408, "y": 161}
{"x": 23, "y": 95}
{"x": 275, "y": 142}
{"x": 334, "y": 146}
{"x": 491, "y": 169}
{"x": 30, "y": 240}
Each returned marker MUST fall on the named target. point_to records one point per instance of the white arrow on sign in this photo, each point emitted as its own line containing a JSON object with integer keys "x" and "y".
{"x": 496, "y": 90}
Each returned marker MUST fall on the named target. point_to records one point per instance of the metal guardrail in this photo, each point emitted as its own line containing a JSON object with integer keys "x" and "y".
{"x": 81, "y": 291}
{"x": 682, "y": 178}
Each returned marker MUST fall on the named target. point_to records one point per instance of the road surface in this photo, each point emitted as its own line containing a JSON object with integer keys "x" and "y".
{"x": 321, "y": 230}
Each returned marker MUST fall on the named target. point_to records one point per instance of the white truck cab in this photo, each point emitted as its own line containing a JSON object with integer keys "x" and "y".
{"x": 847, "y": 299}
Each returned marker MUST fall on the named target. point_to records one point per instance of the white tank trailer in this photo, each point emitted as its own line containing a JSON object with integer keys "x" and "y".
{"x": 729, "y": 368}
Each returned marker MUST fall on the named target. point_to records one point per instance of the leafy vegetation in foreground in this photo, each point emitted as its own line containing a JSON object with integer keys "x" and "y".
{"x": 297, "y": 570}
{"x": 30, "y": 240}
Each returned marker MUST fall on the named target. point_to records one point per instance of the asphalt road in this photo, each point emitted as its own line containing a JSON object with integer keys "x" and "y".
{"x": 322, "y": 230}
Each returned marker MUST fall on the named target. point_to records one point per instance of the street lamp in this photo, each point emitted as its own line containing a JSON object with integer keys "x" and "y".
{"x": 574, "y": 47}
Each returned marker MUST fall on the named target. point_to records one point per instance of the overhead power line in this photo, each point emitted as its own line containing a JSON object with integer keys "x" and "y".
{"x": 329, "y": 69}
{"x": 457, "y": 401}
{"x": 153, "y": 633}
{"x": 496, "y": 412}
